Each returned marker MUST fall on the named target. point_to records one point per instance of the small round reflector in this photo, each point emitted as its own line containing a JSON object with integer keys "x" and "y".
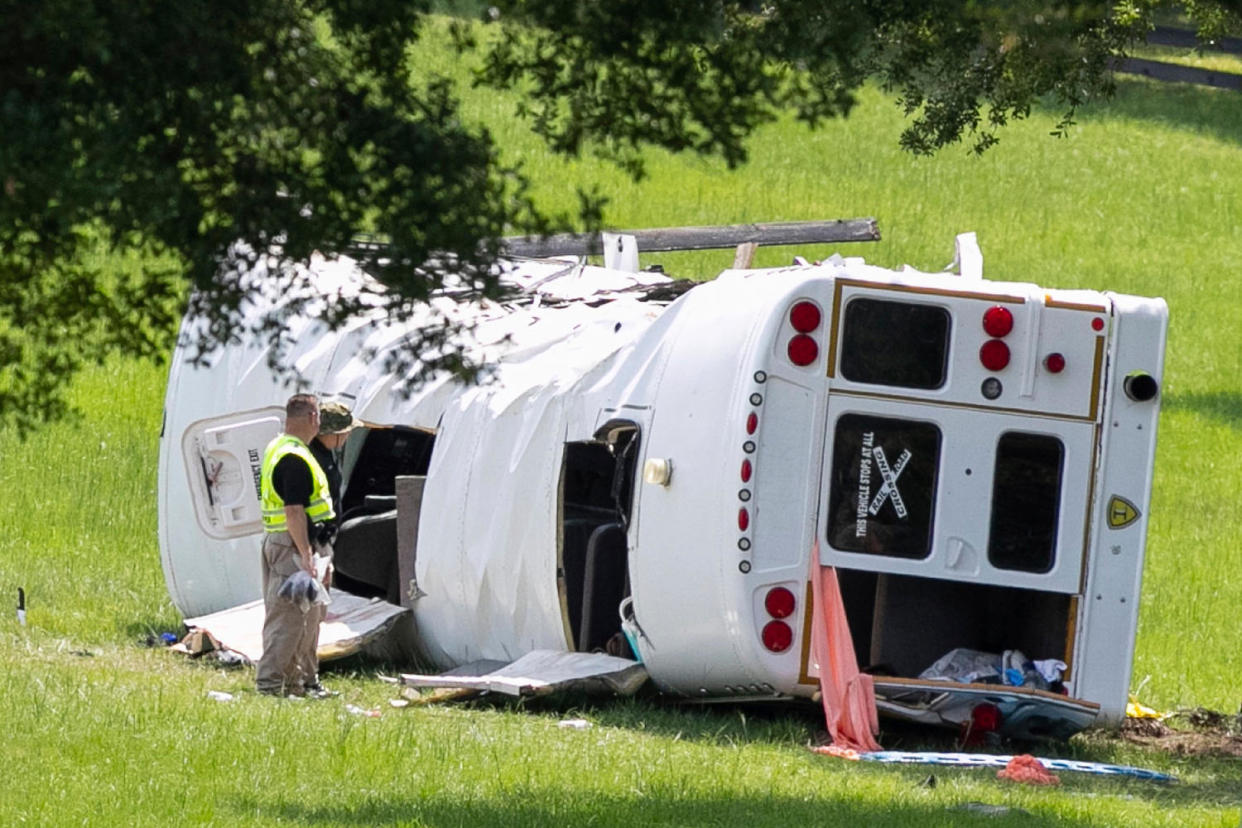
{"x": 804, "y": 317}
{"x": 997, "y": 321}
{"x": 779, "y": 602}
{"x": 743, "y": 519}
{"x": 803, "y": 350}
{"x": 994, "y": 355}
{"x": 746, "y": 469}
{"x": 1055, "y": 363}
{"x": 777, "y": 636}
{"x": 752, "y": 422}
{"x": 1097, "y": 324}
{"x": 991, "y": 388}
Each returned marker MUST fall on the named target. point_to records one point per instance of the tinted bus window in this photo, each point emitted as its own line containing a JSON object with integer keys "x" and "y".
{"x": 895, "y": 343}
{"x": 1026, "y": 501}
{"x": 882, "y": 491}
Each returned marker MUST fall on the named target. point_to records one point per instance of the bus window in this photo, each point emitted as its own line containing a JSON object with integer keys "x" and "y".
{"x": 1026, "y": 498}
{"x": 882, "y": 492}
{"x": 895, "y": 343}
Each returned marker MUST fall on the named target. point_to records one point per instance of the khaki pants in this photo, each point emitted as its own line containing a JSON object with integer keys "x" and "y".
{"x": 290, "y": 636}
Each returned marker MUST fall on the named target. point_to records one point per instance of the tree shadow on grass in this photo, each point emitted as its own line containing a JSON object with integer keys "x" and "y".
{"x": 1203, "y": 110}
{"x": 1224, "y": 407}
{"x": 541, "y": 807}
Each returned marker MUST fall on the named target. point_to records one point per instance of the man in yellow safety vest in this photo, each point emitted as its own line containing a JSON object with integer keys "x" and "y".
{"x": 296, "y": 503}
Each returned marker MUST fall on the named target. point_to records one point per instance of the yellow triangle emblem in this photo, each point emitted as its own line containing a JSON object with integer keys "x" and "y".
{"x": 1121, "y": 512}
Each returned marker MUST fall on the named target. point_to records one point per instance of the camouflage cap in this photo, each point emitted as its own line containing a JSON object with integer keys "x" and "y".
{"x": 336, "y": 418}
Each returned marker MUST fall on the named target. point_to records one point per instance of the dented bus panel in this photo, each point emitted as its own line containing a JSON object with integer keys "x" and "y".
{"x": 658, "y": 475}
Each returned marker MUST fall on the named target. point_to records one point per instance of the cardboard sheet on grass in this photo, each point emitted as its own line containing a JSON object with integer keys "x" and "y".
{"x": 542, "y": 672}
{"x": 351, "y": 624}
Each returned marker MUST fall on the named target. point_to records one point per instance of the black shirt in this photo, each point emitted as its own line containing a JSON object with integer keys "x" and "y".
{"x": 327, "y": 462}
{"x": 291, "y": 478}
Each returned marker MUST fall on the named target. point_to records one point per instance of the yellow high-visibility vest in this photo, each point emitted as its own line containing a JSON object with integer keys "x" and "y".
{"x": 320, "y": 508}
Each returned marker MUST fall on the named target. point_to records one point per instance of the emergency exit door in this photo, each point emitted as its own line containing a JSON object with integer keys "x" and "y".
{"x": 983, "y": 497}
{"x": 943, "y": 461}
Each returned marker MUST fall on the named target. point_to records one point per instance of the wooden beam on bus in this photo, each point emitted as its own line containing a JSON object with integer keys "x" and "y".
{"x": 665, "y": 239}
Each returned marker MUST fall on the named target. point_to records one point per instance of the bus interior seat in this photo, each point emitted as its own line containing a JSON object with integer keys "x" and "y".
{"x": 604, "y": 586}
{"x": 365, "y": 553}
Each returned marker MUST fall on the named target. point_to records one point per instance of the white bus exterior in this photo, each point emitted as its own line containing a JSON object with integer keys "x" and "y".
{"x": 974, "y": 458}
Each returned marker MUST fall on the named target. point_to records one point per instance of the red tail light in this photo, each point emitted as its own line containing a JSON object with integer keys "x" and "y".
{"x": 994, "y": 355}
{"x": 777, "y": 636}
{"x": 752, "y": 423}
{"x": 985, "y": 717}
{"x": 746, "y": 471}
{"x": 805, "y": 317}
{"x": 779, "y": 602}
{"x": 1055, "y": 363}
{"x": 743, "y": 519}
{"x": 803, "y": 350}
{"x": 997, "y": 321}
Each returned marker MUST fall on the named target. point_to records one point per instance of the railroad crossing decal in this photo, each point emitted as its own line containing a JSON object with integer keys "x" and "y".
{"x": 867, "y": 503}
{"x": 889, "y": 490}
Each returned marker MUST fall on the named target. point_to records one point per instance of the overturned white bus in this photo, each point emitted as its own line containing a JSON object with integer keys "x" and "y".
{"x": 973, "y": 457}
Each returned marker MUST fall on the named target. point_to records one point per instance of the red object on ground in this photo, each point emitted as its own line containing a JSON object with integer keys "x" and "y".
{"x": 1026, "y": 768}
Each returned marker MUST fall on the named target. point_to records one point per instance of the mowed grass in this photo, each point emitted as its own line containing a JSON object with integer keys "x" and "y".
{"x": 1141, "y": 198}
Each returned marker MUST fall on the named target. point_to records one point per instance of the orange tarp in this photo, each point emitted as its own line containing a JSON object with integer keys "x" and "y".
{"x": 848, "y": 694}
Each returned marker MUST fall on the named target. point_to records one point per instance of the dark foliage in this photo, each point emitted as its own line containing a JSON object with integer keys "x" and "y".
{"x": 202, "y": 138}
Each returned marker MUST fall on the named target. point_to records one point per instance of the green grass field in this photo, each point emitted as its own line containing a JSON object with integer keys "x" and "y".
{"x": 1143, "y": 197}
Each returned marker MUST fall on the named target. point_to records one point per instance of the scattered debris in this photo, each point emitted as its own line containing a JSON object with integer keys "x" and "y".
{"x": 838, "y": 751}
{"x": 1137, "y": 710}
{"x": 219, "y": 695}
{"x": 1028, "y": 770}
{"x": 398, "y": 703}
{"x": 575, "y": 724}
{"x": 196, "y": 643}
{"x": 1144, "y": 727}
{"x": 351, "y": 623}
{"x": 227, "y": 658}
{"x": 984, "y": 760}
{"x": 1210, "y": 733}
{"x": 1201, "y": 718}
{"x": 541, "y": 672}
{"x": 21, "y": 606}
{"x": 361, "y": 711}
{"x": 440, "y": 694}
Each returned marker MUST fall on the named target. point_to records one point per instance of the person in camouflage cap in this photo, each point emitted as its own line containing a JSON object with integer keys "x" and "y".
{"x": 335, "y": 423}
{"x": 336, "y": 418}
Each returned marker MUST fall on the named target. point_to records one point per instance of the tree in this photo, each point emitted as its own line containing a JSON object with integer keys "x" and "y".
{"x": 202, "y": 137}
{"x": 702, "y": 74}
{"x": 179, "y": 130}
